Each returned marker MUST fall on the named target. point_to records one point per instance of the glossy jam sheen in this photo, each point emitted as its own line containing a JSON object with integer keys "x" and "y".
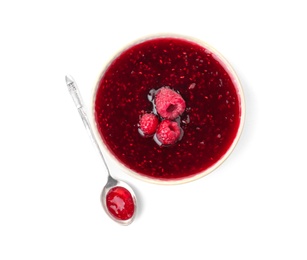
{"x": 210, "y": 121}
{"x": 120, "y": 203}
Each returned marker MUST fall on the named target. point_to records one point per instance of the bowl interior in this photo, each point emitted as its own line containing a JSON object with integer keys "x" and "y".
{"x": 215, "y": 55}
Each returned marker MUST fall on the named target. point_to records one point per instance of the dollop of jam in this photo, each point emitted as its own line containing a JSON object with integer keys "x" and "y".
{"x": 120, "y": 203}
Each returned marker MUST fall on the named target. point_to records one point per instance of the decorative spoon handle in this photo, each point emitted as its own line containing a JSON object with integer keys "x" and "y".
{"x": 74, "y": 91}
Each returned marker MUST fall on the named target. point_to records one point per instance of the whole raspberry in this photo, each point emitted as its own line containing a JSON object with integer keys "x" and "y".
{"x": 168, "y": 132}
{"x": 169, "y": 104}
{"x": 148, "y": 124}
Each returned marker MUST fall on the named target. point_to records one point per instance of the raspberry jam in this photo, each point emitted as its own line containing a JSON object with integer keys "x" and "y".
{"x": 210, "y": 121}
{"x": 120, "y": 203}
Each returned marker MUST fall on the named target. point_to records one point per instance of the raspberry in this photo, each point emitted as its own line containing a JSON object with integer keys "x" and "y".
{"x": 148, "y": 124}
{"x": 168, "y": 132}
{"x": 169, "y": 104}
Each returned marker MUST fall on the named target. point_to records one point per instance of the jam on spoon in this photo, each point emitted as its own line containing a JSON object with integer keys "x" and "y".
{"x": 117, "y": 197}
{"x": 119, "y": 203}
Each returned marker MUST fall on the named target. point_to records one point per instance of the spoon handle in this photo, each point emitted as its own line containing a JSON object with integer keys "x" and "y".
{"x": 74, "y": 91}
{"x": 76, "y": 96}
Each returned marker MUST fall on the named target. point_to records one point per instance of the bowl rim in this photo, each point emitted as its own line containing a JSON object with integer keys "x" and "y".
{"x": 222, "y": 60}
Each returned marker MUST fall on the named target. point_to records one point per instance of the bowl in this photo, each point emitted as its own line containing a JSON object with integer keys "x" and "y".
{"x": 129, "y": 87}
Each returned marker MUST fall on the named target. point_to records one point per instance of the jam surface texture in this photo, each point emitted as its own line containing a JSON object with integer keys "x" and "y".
{"x": 209, "y": 123}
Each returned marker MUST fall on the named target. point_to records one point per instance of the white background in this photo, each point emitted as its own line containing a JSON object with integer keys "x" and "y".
{"x": 252, "y": 207}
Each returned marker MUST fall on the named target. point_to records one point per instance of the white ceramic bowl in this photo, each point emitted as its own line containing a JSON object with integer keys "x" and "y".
{"x": 240, "y": 94}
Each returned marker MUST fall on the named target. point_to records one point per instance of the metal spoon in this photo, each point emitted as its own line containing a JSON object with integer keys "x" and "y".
{"x": 116, "y": 206}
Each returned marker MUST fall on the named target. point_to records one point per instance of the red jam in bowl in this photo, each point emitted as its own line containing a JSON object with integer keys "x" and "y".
{"x": 208, "y": 125}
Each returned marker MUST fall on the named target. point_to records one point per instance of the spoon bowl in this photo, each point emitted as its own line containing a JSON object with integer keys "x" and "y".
{"x": 118, "y": 198}
{"x": 123, "y": 195}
